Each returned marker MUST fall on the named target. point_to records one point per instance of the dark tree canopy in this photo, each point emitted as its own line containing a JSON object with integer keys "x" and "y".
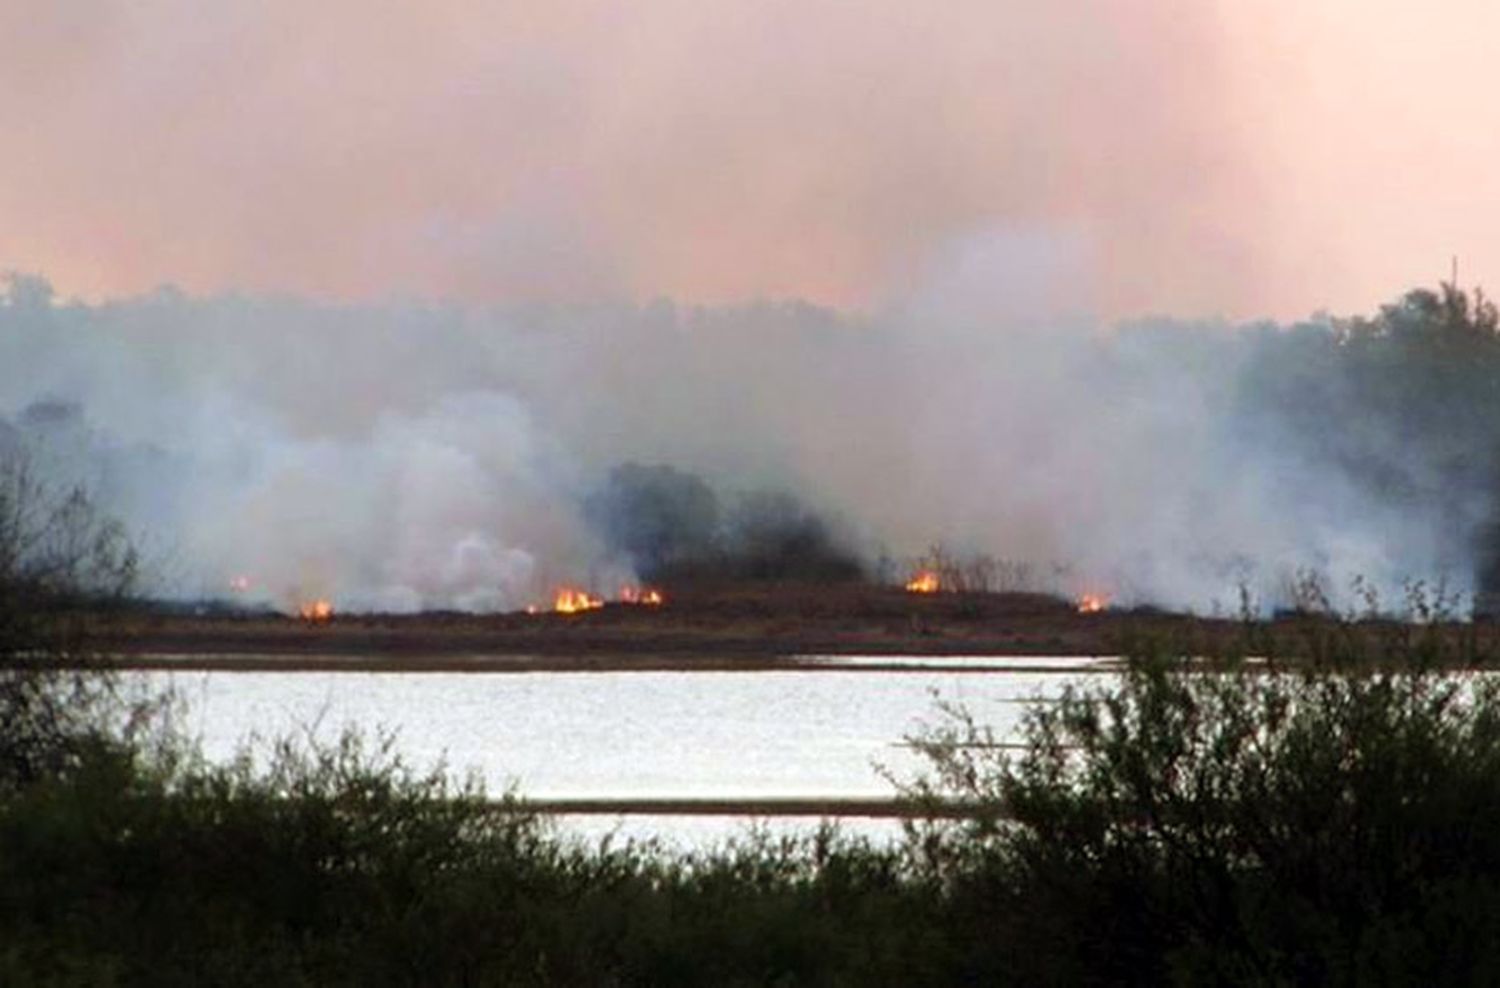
{"x": 669, "y": 523}
{"x": 772, "y": 535}
{"x": 656, "y": 515}
{"x": 1405, "y": 404}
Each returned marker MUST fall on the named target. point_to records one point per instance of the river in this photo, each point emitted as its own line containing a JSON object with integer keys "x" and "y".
{"x": 819, "y": 728}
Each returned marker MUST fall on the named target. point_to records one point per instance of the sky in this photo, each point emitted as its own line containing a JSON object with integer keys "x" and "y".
{"x": 1211, "y": 157}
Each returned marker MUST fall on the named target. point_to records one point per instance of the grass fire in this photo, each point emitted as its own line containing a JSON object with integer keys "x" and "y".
{"x": 315, "y": 611}
{"x": 568, "y": 600}
{"x": 1092, "y": 603}
{"x": 924, "y": 581}
{"x": 641, "y": 596}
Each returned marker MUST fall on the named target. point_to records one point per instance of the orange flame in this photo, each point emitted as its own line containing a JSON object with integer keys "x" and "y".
{"x": 570, "y": 601}
{"x": 315, "y": 611}
{"x": 643, "y": 596}
{"x": 1092, "y": 603}
{"x": 925, "y": 581}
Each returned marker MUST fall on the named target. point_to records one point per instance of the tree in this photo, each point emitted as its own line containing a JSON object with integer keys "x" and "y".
{"x": 772, "y": 535}
{"x": 657, "y": 515}
{"x": 63, "y": 567}
{"x": 1403, "y": 405}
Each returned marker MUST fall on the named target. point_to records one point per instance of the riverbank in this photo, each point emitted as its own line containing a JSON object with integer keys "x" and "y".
{"x": 732, "y": 628}
{"x": 739, "y": 626}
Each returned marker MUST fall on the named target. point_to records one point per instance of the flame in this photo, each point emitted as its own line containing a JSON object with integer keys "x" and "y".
{"x": 643, "y": 596}
{"x": 315, "y": 610}
{"x": 925, "y": 581}
{"x": 570, "y": 601}
{"x": 1092, "y": 603}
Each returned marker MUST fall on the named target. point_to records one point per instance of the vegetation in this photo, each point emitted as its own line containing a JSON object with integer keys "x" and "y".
{"x": 1190, "y": 821}
{"x": 1265, "y": 825}
{"x": 670, "y": 525}
{"x": 976, "y": 572}
{"x": 63, "y": 568}
{"x": 341, "y": 868}
{"x": 657, "y": 516}
{"x": 1405, "y": 403}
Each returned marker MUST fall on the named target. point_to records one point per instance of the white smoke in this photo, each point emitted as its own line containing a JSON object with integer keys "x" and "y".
{"x": 406, "y": 456}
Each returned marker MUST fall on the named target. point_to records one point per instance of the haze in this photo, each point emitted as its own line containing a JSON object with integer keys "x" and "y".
{"x": 1244, "y": 159}
{"x": 438, "y": 269}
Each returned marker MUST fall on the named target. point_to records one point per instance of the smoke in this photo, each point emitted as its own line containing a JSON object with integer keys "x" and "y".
{"x": 412, "y": 456}
{"x": 709, "y": 150}
{"x": 979, "y": 181}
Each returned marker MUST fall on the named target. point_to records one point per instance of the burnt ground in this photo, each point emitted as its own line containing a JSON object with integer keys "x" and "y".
{"x": 736, "y": 627}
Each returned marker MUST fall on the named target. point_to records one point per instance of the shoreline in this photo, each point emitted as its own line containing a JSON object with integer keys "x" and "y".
{"x": 598, "y": 663}
{"x": 737, "y": 628}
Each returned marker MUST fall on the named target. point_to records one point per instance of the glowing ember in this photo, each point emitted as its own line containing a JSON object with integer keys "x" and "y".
{"x": 644, "y": 596}
{"x": 570, "y": 601}
{"x": 925, "y": 581}
{"x": 1092, "y": 603}
{"x": 316, "y": 610}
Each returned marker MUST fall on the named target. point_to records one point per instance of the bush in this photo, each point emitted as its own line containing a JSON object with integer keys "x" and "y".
{"x": 341, "y": 866}
{"x": 1231, "y": 823}
{"x": 63, "y": 567}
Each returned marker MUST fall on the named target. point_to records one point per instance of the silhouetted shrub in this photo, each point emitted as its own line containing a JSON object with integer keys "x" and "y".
{"x": 63, "y": 567}
{"x": 1199, "y": 824}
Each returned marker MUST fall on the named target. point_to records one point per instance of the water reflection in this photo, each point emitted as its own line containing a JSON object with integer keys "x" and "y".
{"x": 628, "y": 735}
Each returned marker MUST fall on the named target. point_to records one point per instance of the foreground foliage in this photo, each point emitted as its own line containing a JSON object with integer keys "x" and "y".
{"x": 343, "y": 867}
{"x": 1236, "y": 824}
{"x": 62, "y": 566}
{"x": 1182, "y": 823}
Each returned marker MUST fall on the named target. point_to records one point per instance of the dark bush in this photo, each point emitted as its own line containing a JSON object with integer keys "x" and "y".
{"x": 1232, "y": 824}
{"x": 342, "y": 867}
{"x": 63, "y": 568}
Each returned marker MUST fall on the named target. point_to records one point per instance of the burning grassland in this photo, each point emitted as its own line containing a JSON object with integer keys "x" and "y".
{"x": 573, "y": 600}
{"x": 696, "y": 625}
{"x": 1092, "y": 603}
{"x": 569, "y": 600}
{"x": 315, "y": 611}
{"x": 924, "y": 581}
{"x": 641, "y": 596}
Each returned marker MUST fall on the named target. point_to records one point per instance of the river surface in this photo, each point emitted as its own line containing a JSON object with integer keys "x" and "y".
{"x": 822, "y": 727}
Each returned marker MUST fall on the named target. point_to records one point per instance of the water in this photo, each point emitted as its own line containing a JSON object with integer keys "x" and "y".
{"x": 822, "y": 727}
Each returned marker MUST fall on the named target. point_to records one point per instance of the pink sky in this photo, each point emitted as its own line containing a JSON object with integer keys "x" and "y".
{"x": 1243, "y": 158}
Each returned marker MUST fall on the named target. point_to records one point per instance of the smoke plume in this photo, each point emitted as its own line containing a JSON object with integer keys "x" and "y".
{"x": 413, "y": 456}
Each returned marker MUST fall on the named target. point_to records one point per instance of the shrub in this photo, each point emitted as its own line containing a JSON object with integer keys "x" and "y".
{"x": 1230, "y": 823}
{"x": 63, "y": 566}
